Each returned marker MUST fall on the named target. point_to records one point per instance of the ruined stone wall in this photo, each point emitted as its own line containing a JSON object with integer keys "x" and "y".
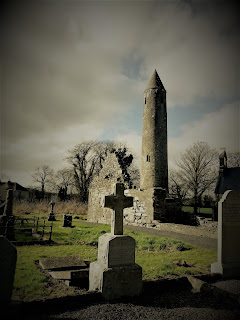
{"x": 102, "y": 186}
{"x": 154, "y": 161}
{"x": 149, "y": 205}
{"x": 96, "y": 211}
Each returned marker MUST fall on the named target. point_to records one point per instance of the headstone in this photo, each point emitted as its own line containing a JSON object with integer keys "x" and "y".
{"x": 52, "y": 214}
{"x": 115, "y": 274}
{"x": 228, "y": 263}
{"x": 8, "y": 259}
{"x": 67, "y": 221}
{"x": 9, "y": 203}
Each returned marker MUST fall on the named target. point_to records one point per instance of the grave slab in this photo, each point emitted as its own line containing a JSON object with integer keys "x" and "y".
{"x": 62, "y": 263}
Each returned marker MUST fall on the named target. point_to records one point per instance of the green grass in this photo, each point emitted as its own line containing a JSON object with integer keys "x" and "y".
{"x": 202, "y": 210}
{"x": 156, "y": 255}
{"x": 30, "y": 283}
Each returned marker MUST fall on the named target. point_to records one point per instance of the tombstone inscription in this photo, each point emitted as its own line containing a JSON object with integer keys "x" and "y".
{"x": 115, "y": 273}
{"x": 228, "y": 263}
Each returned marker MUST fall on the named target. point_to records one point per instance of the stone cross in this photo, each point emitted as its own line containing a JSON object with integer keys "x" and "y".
{"x": 52, "y": 214}
{"x": 118, "y": 202}
{"x": 52, "y": 206}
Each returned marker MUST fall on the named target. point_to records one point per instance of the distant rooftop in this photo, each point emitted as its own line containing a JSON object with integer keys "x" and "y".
{"x": 230, "y": 180}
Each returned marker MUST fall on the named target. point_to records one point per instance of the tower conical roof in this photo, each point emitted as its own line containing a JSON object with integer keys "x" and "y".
{"x": 155, "y": 81}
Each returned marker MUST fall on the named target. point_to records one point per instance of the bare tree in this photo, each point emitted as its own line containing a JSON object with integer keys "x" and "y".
{"x": 134, "y": 174}
{"x": 42, "y": 175}
{"x": 177, "y": 187}
{"x": 87, "y": 159}
{"x": 234, "y": 159}
{"x": 198, "y": 169}
{"x": 64, "y": 178}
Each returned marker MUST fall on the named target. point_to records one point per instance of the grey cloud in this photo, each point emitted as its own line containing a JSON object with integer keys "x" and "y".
{"x": 67, "y": 64}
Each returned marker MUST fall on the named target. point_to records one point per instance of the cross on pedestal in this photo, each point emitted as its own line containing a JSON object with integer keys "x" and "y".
{"x": 118, "y": 202}
{"x": 52, "y": 206}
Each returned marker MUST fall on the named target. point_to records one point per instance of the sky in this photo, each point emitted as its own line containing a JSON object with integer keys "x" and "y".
{"x": 77, "y": 70}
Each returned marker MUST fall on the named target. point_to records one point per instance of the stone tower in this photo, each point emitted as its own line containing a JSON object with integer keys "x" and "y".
{"x": 154, "y": 161}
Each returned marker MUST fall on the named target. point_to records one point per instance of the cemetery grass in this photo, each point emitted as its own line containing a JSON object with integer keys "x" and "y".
{"x": 159, "y": 257}
{"x": 202, "y": 210}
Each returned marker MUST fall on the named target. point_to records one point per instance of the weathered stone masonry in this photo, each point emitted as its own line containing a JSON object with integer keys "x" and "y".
{"x": 154, "y": 160}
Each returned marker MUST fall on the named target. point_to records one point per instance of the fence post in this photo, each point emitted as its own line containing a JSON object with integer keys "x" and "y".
{"x": 6, "y": 229}
{"x": 43, "y": 229}
{"x": 37, "y": 225}
{"x": 50, "y": 233}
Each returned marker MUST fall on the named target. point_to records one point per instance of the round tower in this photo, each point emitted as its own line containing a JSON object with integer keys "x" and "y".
{"x": 154, "y": 161}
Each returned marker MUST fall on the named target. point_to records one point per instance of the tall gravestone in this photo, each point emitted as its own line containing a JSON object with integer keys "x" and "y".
{"x": 8, "y": 259}
{"x": 115, "y": 273}
{"x": 228, "y": 263}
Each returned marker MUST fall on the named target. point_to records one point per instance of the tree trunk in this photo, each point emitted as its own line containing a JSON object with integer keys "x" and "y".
{"x": 195, "y": 203}
{"x": 43, "y": 191}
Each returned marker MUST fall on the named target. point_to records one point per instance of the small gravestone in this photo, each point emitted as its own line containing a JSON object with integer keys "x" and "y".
{"x": 115, "y": 274}
{"x": 52, "y": 214}
{"x": 8, "y": 259}
{"x": 228, "y": 263}
{"x": 67, "y": 221}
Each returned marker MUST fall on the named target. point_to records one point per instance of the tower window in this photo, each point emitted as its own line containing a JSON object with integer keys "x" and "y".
{"x": 145, "y": 100}
{"x": 148, "y": 158}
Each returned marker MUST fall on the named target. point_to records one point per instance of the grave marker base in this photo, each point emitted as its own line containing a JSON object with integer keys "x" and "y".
{"x": 115, "y": 282}
{"x": 227, "y": 270}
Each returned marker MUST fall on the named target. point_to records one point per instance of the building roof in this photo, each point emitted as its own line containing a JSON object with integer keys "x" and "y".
{"x": 12, "y": 185}
{"x": 155, "y": 81}
{"x": 4, "y": 186}
{"x": 229, "y": 180}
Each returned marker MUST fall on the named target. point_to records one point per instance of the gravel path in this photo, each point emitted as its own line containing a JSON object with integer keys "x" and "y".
{"x": 197, "y": 240}
{"x": 161, "y": 300}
